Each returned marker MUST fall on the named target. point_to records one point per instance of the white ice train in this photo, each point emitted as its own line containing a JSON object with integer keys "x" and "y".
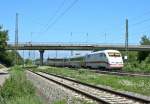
{"x": 108, "y": 59}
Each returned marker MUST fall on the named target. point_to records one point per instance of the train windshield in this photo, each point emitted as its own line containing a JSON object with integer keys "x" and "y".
{"x": 114, "y": 54}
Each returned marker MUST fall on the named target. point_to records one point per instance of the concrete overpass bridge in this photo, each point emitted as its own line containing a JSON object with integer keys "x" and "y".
{"x": 70, "y": 46}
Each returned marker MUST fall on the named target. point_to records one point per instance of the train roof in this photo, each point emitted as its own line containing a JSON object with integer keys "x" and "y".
{"x": 103, "y": 51}
{"x": 76, "y": 56}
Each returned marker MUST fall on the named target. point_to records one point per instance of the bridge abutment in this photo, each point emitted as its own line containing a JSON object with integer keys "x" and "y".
{"x": 41, "y": 56}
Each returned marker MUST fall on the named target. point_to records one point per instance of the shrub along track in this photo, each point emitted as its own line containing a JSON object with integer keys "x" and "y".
{"x": 99, "y": 94}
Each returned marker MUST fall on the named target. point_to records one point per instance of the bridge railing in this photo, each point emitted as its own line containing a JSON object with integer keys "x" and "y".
{"x": 67, "y": 44}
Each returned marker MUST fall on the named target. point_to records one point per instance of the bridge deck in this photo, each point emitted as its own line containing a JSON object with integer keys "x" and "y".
{"x": 77, "y": 47}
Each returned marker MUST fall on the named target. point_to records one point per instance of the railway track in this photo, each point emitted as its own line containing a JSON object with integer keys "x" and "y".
{"x": 95, "y": 93}
{"x": 117, "y": 72}
{"x": 122, "y": 73}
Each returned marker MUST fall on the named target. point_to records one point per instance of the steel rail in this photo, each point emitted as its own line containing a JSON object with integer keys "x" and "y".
{"x": 121, "y": 73}
{"x": 72, "y": 88}
{"x": 105, "y": 89}
{"x": 135, "y": 98}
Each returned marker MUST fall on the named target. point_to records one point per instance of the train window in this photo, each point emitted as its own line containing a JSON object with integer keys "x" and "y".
{"x": 88, "y": 56}
{"x": 117, "y": 55}
{"x": 101, "y": 55}
{"x": 114, "y": 54}
{"x": 104, "y": 55}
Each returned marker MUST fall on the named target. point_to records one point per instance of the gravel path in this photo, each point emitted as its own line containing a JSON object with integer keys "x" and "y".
{"x": 54, "y": 92}
{"x": 3, "y": 78}
{"x": 3, "y": 75}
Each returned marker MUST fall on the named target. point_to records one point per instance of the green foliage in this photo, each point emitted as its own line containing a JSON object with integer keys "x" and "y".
{"x": 60, "y": 102}
{"x": 18, "y": 90}
{"x": 3, "y": 44}
{"x": 132, "y": 56}
{"x": 3, "y": 39}
{"x": 15, "y": 57}
{"x": 81, "y": 71}
{"x": 132, "y": 67}
{"x": 147, "y": 60}
{"x": 142, "y": 55}
{"x": 25, "y": 100}
{"x": 139, "y": 61}
{"x": 28, "y": 62}
{"x": 7, "y": 57}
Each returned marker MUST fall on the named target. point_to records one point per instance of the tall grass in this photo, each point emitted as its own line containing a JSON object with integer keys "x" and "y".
{"x": 137, "y": 67}
{"x": 18, "y": 90}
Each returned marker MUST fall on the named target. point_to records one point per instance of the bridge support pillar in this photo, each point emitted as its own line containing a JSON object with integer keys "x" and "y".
{"x": 41, "y": 56}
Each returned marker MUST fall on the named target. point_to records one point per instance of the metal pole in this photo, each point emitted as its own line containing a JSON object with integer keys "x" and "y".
{"x": 23, "y": 60}
{"x": 105, "y": 37}
{"x": 41, "y": 57}
{"x": 87, "y": 37}
{"x": 29, "y": 51}
{"x": 126, "y": 40}
{"x": 71, "y": 41}
{"x": 16, "y": 38}
{"x": 16, "y": 30}
{"x": 56, "y": 54}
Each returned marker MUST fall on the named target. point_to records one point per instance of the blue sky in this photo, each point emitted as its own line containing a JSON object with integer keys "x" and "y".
{"x": 103, "y": 20}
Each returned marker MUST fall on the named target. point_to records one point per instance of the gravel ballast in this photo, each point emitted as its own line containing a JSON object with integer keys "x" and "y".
{"x": 53, "y": 92}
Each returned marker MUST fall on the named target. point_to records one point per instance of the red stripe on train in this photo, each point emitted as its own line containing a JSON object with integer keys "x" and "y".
{"x": 97, "y": 62}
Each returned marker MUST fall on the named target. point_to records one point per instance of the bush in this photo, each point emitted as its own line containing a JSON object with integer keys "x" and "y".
{"x": 147, "y": 60}
{"x": 144, "y": 66}
{"x": 131, "y": 67}
{"x": 135, "y": 66}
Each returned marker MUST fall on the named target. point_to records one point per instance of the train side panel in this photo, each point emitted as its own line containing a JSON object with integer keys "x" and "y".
{"x": 98, "y": 60}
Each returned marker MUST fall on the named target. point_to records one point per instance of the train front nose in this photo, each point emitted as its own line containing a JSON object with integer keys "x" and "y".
{"x": 115, "y": 64}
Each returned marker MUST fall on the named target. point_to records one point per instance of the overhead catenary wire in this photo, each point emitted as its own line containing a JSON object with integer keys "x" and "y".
{"x": 133, "y": 24}
{"x": 61, "y": 15}
{"x": 56, "y": 12}
{"x": 136, "y": 18}
{"x": 140, "y": 22}
{"x": 139, "y": 16}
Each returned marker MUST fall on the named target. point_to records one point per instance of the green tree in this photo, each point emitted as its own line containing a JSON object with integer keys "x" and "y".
{"x": 3, "y": 44}
{"x": 142, "y": 55}
{"x": 147, "y": 59}
{"x": 7, "y": 57}
{"x": 11, "y": 56}
{"x": 3, "y": 39}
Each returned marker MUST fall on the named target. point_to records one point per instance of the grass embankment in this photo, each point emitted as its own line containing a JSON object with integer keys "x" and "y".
{"x": 18, "y": 90}
{"x": 132, "y": 84}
